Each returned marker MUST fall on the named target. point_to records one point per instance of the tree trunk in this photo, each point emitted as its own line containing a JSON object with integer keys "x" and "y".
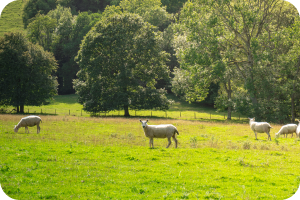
{"x": 21, "y": 108}
{"x": 126, "y": 111}
{"x": 229, "y": 91}
{"x": 293, "y": 104}
{"x": 18, "y": 110}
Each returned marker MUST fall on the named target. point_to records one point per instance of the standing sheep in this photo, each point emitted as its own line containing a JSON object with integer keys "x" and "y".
{"x": 260, "y": 127}
{"x": 160, "y": 131}
{"x": 31, "y": 120}
{"x": 287, "y": 129}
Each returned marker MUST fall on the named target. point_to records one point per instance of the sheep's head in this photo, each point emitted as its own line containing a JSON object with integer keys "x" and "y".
{"x": 16, "y": 129}
{"x": 144, "y": 123}
{"x": 251, "y": 119}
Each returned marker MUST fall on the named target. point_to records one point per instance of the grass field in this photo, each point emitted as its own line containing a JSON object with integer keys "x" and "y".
{"x": 11, "y": 17}
{"x": 109, "y": 158}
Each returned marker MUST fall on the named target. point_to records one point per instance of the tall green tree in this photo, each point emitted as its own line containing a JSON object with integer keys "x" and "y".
{"x": 239, "y": 45}
{"x": 151, "y": 11}
{"x": 120, "y": 61}
{"x": 26, "y": 72}
{"x": 33, "y": 7}
{"x": 61, "y": 33}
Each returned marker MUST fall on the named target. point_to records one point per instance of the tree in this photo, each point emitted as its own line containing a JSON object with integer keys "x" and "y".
{"x": 34, "y": 7}
{"x": 61, "y": 32}
{"x": 150, "y": 10}
{"x": 236, "y": 43}
{"x": 120, "y": 61}
{"x": 40, "y": 31}
{"x": 25, "y": 72}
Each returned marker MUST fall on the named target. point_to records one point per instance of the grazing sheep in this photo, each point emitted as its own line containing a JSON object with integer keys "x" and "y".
{"x": 260, "y": 127}
{"x": 31, "y": 120}
{"x": 298, "y": 129}
{"x": 287, "y": 129}
{"x": 160, "y": 131}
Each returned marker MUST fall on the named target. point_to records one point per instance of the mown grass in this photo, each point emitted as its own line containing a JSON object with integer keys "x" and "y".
{"x": 109, "y": 158}
{"x": 11, "y": 17}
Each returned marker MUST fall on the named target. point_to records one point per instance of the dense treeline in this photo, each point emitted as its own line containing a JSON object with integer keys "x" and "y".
{"x": 240, "y": 56}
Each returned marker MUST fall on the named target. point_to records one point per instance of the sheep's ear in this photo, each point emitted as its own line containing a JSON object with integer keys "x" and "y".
{"x": 253, "y": 118}
{"x": 140, "y": 120}
{"x": 147, "y": 121}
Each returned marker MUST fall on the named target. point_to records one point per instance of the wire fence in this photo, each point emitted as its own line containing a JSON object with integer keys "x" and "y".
{"x": 171, "y": 114}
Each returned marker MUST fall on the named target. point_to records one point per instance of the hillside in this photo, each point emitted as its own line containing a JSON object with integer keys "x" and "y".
{"x": 11, "y": 17}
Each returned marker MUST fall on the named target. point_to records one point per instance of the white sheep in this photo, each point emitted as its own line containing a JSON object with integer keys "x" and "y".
{"x": 31, "y": 120}
{"x": 160, "y": 131}
{"x": 260, "y": 127}
{"x": 287, "y": 129}
{"x": 298, "y": 129}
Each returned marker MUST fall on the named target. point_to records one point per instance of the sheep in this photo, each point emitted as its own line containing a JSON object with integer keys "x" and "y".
{"x": 160, "y": 131}
{"x": 260, "y": 127}
{"x": 287, "y": 129}
{"x": 298, "y": 129}
{"x": 31, "y": 120}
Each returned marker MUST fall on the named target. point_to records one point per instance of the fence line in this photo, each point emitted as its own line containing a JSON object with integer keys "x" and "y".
{"x": 187, "y": 115}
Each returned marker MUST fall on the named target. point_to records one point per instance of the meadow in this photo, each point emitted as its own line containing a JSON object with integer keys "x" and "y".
{"x": 11, "y": 17}
{"x": 83, "y": 157}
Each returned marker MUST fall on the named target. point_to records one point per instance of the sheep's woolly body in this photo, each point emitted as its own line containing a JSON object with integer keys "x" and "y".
{"x": 259, "y": 127}
{"x": 287, "y": 129}
{"x": 29, "y": 121}
{"x": 160, "y": 131}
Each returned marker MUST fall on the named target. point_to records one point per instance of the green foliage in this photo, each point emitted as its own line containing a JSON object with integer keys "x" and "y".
{"x": 33, "y": 7}
{"x": 150, "y": 10}
{"x": 120, "y": 61}
{"x": 173, "y": 6}
{"x": 41, "y": 30}
{"x": 25, "y": 72}
{"x": 244, "y": 49}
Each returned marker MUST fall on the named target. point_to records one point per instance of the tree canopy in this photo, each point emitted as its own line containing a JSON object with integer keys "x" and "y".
{"x": 120, "y": 61}
{"x": 237, "y": 44}
{"x": 26, "y": 72}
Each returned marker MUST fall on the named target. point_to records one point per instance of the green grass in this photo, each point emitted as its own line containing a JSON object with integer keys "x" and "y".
{"x": 11, "y": 18}
{"x": 109, "y": 158}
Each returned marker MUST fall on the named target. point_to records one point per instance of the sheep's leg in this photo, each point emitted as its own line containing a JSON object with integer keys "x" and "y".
{"x": 38, "y": 129}
{"x": 255, "y": 135}
{"x": 169, "y": 139}
{"x": 151, "y": 143}
{"x": 269, "y": 136}
{"x": 175, "y": 140}
{"x": 26, "y": 129}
